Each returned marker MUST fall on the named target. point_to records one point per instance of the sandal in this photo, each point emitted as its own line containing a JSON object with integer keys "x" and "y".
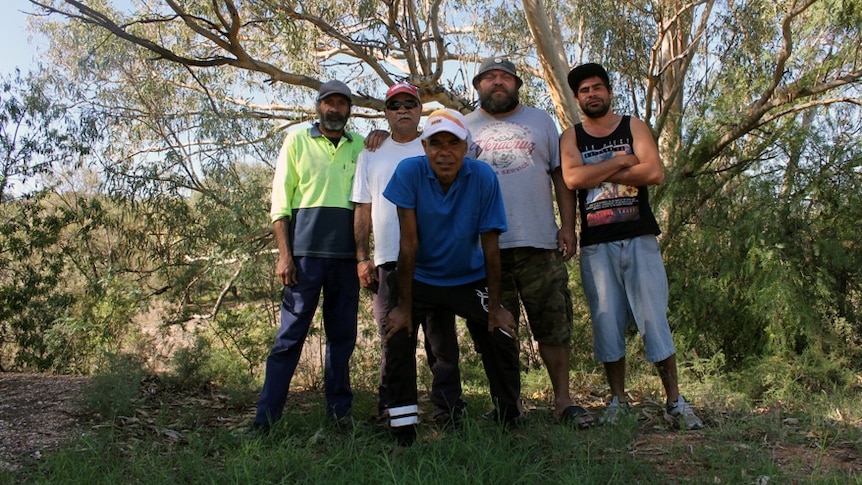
{"x": 578, "y": 416}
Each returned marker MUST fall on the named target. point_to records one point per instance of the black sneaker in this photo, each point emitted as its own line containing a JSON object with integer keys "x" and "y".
{"x": 256, "y": 431}
{"x": 379, "y": 421}
{"x": 444, "y": 418}
{"x": 344, "y": 422}
{"x": 515, "y": 422}
{"x": 405, "y": 436}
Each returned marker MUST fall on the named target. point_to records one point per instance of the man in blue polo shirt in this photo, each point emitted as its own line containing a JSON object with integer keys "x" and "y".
{"x": 451, "y": 213}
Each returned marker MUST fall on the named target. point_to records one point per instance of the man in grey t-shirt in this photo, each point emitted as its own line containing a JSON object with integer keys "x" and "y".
{"x": 521, "y": 143}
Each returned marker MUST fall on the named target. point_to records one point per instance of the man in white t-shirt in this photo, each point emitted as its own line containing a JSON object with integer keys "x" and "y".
{"x": 373, "y": 213}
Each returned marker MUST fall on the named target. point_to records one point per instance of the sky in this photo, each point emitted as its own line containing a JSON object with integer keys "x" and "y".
{"x": 15, "y": 49}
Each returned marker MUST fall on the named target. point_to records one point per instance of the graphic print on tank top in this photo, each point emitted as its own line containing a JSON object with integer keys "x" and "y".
{"x": 609, "y": 202}
{"x": 507, "y": 147}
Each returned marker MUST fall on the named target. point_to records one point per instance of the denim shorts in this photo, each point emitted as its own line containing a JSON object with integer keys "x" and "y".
{"x": 625, "y": 281}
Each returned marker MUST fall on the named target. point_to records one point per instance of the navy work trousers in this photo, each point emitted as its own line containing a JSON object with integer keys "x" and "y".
{"x": 339, "y": 283}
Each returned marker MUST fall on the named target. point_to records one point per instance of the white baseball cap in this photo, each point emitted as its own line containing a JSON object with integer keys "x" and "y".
{"x": 447, "y": 120}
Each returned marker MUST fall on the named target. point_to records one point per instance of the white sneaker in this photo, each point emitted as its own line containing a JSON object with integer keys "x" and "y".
{"x": 680, "y": 413}
{"x": 616, "y": 411}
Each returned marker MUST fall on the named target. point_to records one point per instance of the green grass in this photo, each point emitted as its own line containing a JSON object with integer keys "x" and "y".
{"x": 305, "y": 449}
{"x": 167, "y": 431}
{"x": 738, "y": 446}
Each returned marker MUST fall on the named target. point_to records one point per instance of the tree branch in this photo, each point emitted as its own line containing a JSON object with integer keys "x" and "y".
{"x": 784, "y": 54}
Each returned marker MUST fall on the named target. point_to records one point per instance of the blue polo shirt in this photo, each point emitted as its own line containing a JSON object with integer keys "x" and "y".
{"x": 449, "y": 224}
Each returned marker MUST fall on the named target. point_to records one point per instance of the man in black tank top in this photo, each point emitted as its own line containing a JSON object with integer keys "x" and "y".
{"x": 611, "y": 160}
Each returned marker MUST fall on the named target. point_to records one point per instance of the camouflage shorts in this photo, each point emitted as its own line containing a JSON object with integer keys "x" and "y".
{"x": 540, "y": 278}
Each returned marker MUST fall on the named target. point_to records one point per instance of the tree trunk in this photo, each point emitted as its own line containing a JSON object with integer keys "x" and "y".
{"x": 549, "y": 46}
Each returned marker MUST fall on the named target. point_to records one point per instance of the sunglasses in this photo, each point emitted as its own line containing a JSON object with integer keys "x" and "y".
{"x": 406, "y": 104}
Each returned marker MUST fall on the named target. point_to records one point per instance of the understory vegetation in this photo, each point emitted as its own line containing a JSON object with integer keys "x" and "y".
{"x": 180, "y": 426}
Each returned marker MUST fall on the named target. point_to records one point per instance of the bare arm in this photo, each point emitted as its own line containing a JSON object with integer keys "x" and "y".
{"x": 579, "y": 175}
{"x": 498, "y": 317}
{"x": 566, "y": 241}
{"x": 401, "y": 316}
{"x": 649, "y": 169}
{"x": 365, "y": 268}
{"x": 285, "y": 270}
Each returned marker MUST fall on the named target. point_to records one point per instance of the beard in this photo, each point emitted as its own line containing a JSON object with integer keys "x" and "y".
{"x": 333, "y": 121}
{"x": 596, "y": 111}
{"x": 495, "y": 106}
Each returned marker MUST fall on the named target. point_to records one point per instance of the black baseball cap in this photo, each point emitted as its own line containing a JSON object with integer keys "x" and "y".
{"x": 586, "y": 71}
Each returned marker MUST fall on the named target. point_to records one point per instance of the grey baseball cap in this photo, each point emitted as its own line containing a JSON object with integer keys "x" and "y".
{"x": 499, "y": 63}
{"x": 334, "y": 87}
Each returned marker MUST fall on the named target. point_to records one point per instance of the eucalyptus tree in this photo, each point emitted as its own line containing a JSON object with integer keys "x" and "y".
{"x": 194, "y": 98}
{"x": 773, "y": 266}
{"x": 754, "y": 105}
{"x": 39, "y": 138}
{"x": 703, "y": 74}
{"x": 714, "y": 80}
{"x": 187, "y": 89}
{"x": 746, "y": 100}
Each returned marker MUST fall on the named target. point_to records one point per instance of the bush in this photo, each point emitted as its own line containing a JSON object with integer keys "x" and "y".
{"x": 114, "y": 387}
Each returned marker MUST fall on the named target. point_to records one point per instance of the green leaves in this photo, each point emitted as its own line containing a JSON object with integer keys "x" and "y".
{"x": 758, "y": 275}
{"x": 165, "y": 157}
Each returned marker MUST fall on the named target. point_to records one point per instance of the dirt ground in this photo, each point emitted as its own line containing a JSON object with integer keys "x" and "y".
{"x": 38, "y": 414}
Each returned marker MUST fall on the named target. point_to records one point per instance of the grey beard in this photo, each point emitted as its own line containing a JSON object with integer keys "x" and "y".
{"x": 333, "y": 122}
{"x": 505, "y": 105}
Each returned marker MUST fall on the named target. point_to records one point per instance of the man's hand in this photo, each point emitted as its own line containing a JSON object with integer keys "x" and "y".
{"x": 375, "y": 139}
{"x": 399, "y": 318}
{"x": 367, "y": 273}
{"x": 501, "y": 319}
{"x": 567, "y": 242}
{"x": 286, "y": 271}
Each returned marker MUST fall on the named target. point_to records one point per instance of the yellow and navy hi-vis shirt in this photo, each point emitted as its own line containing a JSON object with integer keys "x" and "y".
{"x": 312, "y": 184}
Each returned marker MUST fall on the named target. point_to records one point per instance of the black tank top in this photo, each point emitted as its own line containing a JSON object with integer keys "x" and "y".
{"x": 612, "y": 212}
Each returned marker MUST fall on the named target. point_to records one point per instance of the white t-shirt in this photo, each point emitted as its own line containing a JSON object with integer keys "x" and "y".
{"x": 373, "y": 171}
{"x": 523, "y": 148}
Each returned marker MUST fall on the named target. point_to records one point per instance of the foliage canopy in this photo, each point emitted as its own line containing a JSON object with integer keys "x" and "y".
{"x": 755, "y": 106}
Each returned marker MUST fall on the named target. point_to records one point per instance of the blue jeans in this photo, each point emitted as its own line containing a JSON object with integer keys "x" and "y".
{"x": 625, "y": 280}
{"x": 339, "y": 282}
